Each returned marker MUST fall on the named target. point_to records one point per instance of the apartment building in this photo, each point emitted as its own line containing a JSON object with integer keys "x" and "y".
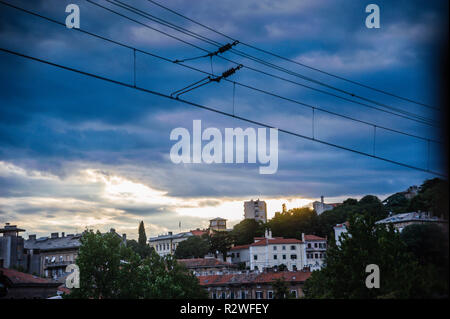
{"x": 208, "y": 266}
{"x": 315, "y": 250}
{"x": 252, "y": 285}
{"x": 268, "y": 252}
{"x": 256, "y": 210}
{"x": 12, "y": 247}
{"x": 49, "y": 256}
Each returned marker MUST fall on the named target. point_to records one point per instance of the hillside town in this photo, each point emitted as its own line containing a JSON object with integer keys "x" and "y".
{"x": 36, "y": 267}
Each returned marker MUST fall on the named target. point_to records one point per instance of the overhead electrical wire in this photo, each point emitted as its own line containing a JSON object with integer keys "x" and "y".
{"x": 293, "y": 61}
{"x": 404, "y": 114}
{"x": 211, "y": 74}
{"x": 135, "y": 87}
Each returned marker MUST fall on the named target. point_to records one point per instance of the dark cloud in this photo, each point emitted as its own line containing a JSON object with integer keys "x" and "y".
{"x": 57, "y": 122}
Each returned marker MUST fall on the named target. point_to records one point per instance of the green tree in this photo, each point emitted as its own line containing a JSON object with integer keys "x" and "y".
{"x": 220, "y": 241}
{"x": 397, "y": 203}
{"x": 141, "y": 246}
{"x": 244, "y": 232}
{"x": 367, "y": 243}
{"x": 432, "y": 197}
{"x": 281, "y": 289}
{"x": 293, "y": 222}
{"x": 142, "y": 240}
{"x": 429, "y": 243}
{"x": 109, "y": 269}
{"x": 193, "y": 247}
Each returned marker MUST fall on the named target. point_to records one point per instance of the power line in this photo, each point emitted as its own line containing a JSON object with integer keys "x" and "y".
{"x": 296, "y": 62}
{"x": 131, "y": 86}
{"x": 146, "y": 15}
{"x": 211, "y": 74}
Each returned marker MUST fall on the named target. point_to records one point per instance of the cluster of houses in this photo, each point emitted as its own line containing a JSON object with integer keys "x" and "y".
{"x": 35, "y": 267}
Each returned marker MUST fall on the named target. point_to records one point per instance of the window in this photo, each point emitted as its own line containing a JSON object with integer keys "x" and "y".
{"x": 232, "y": 295}
{"x": 294, "y": 268}
{"x": 284, "y": 248}
{"x": 315, "y": 245}
{"x": 256, "y": 268}
{"x": 292, "y": 247}
{"x": 294, "y": 293}
{"x": 274, "y": 247}
{"x": 293, "y": 256}
{"x": 214, "y": 295}
{"x": 232, "y": 255}
{"x": 255, "y": 257}
{"x": 316, "y": 255}
{"x": 275, "y": 256}
{"x": 270, "y": 294}
{"x": 242, "y": 294}
{"x": 259, "y": 295}
{"x": 309, "y": 245}
{"x": 284, "y": 256}
{"x": 223, "y": 295}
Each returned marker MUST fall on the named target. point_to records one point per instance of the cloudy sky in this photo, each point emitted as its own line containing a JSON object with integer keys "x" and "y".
{"x": 78, "y": 152}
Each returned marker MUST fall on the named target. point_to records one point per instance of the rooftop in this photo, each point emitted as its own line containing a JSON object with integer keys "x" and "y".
{"x": 276, "y": 241}
{"x": 204, "y": 263}
{"x": 313, "y": 237}
{"x": 412, "y": 216}
{"x": 257, "y": 278}
{"x": 10, "y": 228}
{"x": 17, "y": 278}
{"x": 48, "y": 243}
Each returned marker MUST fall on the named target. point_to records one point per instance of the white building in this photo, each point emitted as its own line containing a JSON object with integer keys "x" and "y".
{"x": 321, "y": 206}
{"x": 167, "y": 244}
{"x": 400, "y": 221}
{"x": 256, "y": 210}
{"x": 340, "y": 229}
{"x": 269, "y": 252}
{"x": 315, "y": 250}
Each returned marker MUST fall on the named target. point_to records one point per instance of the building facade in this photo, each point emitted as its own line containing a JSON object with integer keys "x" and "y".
{"x": 400, "y": 221}
{"x": 252, "y": 285}
{"x": 218, "y": 224}
{"x": 271, "y": 252}
{"x": 321, "y": 206}
{"x": 340, "y": 229}
{"x": 256, "y": 210}
{"x": 315, "y": 250}
{"x": 208, "y": 266}
{"x": 12, "y": 252}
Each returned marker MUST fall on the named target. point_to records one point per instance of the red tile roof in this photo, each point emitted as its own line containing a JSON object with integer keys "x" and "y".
{"x": 276, "y": 241}
{"x": 198, "y": 232}
{"x": 313, "y": 237}
{"x": 204, "y": 262}
{"x": 21, "y": 278}
{"x": 238, "y": 247}
{"x": 228, "y": 279}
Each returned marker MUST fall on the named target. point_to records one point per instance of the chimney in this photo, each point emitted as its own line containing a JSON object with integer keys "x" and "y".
{"x": 303, "y": 237}
{"x": 54, "y": 235}
{"x": 62, "y": 234}
{"x": 170, "y": 233}
{"x": 32, "y": 237}
{"x": 321, "y": 199}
